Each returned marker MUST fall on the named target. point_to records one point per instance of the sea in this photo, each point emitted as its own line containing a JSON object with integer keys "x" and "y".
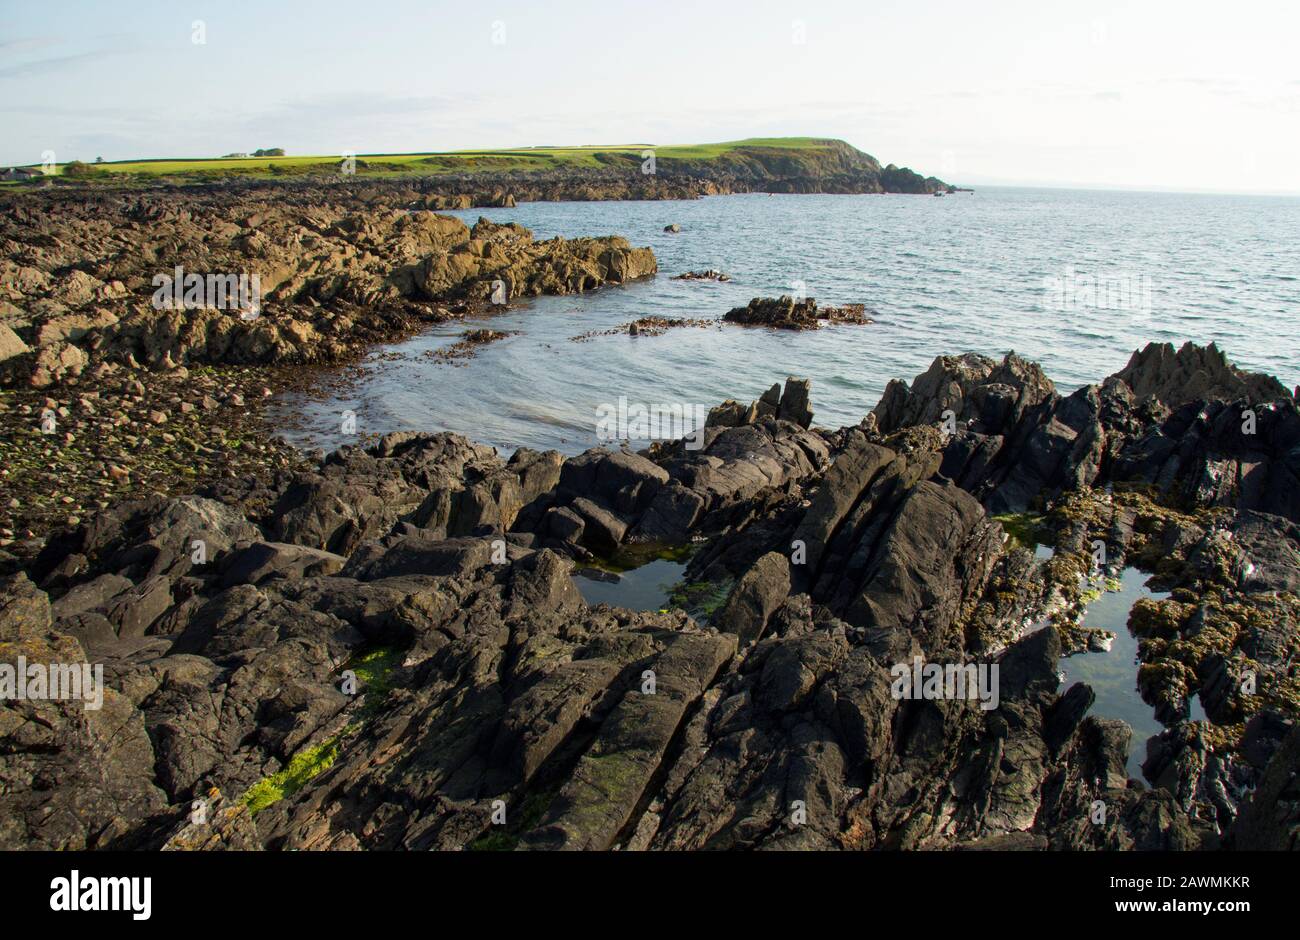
{"x": 1074, "y": 279}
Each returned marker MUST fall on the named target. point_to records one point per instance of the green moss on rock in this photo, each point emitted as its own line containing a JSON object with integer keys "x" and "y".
{"x": 302, "y": 767}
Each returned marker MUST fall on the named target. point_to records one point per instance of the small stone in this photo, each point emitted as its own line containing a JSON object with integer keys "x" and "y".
{"x": 158, "y": 417}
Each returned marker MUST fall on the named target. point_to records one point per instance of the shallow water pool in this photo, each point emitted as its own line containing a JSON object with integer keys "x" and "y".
{"x": 1113, "y": 673}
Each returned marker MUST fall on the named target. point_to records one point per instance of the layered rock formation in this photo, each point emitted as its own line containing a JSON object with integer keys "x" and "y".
{"x": 1185, "y": 423}
{"x": 387, "y": 650}
{"x": 98, "y": 283}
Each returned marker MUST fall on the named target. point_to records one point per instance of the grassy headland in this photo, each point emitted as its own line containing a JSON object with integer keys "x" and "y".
{"x": 754, "y": 158}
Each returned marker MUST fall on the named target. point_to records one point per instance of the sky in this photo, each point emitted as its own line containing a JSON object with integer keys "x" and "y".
{"x": 1185, "y": 95}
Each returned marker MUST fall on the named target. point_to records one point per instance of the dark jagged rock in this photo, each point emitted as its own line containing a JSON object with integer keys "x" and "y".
{"x": 393, "y": 652}
{"x": 793, "y": 403}
{"x": 71, "y": 776}
{"x": 787, "y": 313}
{"x": 1270, "y": 820}
{"x": 762, "y": 589}
{"x": 1194, "y": 374}
{"x": 1164, "y": 421}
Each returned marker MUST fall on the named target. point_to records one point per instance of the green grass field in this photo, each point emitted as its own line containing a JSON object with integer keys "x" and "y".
{"x": 458, "y": 161}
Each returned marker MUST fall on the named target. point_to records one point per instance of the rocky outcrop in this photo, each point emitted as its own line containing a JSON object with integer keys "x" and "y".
{"x": 1270, "y": 821}
{"x": 1194, "y": 374}
{"x": 816, "y": 747}
{"x": 74, "y": 776}
{"x": 787, "y": 313}
{"x": 391, "y": 652}
{"x": 789, "y": 404}
{"x": 441, "y": 202}
{"x": 610, "y": 500}
{"x": 469, "y": 343}
{"x": 1164, "y": 421}
{"x": 440, "y": 484}
{"x": 648, "y": 326}
{"x": 150, "y": 280}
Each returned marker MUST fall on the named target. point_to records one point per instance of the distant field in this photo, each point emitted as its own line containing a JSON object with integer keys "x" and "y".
{"x": 458, "y": 161}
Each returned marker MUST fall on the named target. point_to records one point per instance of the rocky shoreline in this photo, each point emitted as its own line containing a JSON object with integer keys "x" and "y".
{"x": 106, "y": 391}
{"x": 384, "y": 648}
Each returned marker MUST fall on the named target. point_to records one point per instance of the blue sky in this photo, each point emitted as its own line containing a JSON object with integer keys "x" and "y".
{"x": 1187, "y": 95}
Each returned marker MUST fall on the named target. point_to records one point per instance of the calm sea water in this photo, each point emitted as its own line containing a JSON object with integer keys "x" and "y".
{"x": 967, "y": 272}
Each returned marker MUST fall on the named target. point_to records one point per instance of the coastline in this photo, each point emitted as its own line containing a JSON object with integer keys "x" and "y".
{"x": 95, "y": 362}
{"x": 409, "y": 524}
{"x": 440, "y": 573}
{"x": 499, "y": 178}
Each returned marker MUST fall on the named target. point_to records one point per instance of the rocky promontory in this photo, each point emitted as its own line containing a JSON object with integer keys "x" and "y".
{"x": 139, "y": 331}
{"x": 161, "y": 281}
{"x": 486, "y": 179}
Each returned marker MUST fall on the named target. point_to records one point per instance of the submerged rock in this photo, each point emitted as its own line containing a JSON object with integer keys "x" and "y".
{"x": 709, "y": 274}
{"x": 468, "y": 344}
